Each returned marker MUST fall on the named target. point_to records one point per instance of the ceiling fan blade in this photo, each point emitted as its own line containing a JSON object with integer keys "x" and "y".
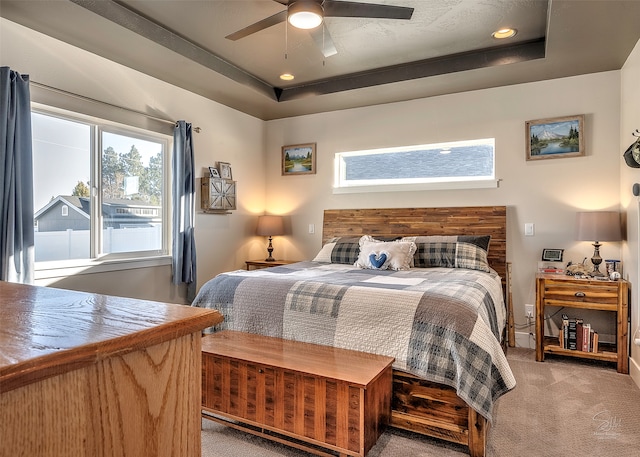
{"x": 334, "y": 8}
{"x": 324, "y": 41}
{"x": 260, "y": 25}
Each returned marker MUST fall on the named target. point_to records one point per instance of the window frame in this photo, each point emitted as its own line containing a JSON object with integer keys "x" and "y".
{"x": 341, "y": 185}
{"x": 99, "y": 261}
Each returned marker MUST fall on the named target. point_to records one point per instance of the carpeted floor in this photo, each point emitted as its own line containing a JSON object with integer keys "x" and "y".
{"x": 561, "y": 407}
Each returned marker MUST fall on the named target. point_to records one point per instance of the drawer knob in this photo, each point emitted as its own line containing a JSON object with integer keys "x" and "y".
{"x": 580, "y": 294}
{"x": 260, "y": 370}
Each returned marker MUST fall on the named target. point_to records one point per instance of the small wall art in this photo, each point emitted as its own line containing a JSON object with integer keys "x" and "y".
{"x": 299, "y": 159}
{"x": 555, "y": 138}
{"x": 225, "y": 170}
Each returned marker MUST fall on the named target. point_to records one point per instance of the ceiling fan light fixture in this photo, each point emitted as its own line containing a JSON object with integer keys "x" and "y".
{"x": 305, "y": 14}
{"x": 504, "y": 33}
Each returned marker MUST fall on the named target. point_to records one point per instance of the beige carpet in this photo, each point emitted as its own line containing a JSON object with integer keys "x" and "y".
{"x": 559, "y": 408}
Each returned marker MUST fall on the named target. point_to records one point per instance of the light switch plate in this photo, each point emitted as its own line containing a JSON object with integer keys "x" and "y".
{"x": 528, "y": 229}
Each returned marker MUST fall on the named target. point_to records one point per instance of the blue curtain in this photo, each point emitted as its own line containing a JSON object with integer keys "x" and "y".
{"x": 16, "y": 179}
{"x": 183, "y": 175}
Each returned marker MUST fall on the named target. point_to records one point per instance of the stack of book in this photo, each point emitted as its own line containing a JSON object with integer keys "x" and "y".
{"x": 575, "y": 335}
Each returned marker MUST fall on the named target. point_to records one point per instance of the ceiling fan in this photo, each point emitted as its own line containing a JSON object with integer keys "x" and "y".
{"x": 310, "y": 14}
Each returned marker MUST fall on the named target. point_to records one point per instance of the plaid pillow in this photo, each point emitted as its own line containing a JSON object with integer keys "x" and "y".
{"x": 471, "y": 256}
{"x": 346, "y": 250}
{"x": 468, "y": 252}
{"x": 339, "y": 250}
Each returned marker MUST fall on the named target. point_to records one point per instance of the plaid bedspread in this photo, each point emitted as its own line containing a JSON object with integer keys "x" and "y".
{"x": 440, "y": 324}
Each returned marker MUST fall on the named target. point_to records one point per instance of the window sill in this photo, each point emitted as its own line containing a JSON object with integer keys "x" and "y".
{"x": 48, "y": 270}
{"x": 452, "y": 185}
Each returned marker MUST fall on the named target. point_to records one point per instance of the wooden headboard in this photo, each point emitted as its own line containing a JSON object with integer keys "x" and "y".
{"x": 393, "y": 222}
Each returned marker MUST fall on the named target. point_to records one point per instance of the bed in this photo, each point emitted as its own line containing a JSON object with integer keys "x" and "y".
{"x": 445, "y": 325}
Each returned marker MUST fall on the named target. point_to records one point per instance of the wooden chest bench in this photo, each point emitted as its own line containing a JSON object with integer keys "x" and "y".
{"x": 321, "y": 399}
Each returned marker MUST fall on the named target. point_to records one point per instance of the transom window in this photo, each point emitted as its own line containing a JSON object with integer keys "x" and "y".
{"x": 461, "y": 164}
{"x": 110, "y": 183}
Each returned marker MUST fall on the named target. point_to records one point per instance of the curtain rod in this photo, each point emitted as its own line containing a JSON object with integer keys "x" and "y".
{"x": 89, "y": 99}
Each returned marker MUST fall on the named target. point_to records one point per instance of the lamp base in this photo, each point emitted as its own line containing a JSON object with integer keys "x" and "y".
{"x": 596, "y": 260}
{"x": 270, "y": 251}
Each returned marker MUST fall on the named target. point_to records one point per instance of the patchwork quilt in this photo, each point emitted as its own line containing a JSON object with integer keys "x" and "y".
{"x": 441, "y": 324}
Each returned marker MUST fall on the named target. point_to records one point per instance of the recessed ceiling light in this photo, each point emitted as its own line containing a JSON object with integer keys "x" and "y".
{"x": 504, "y": 33}
{"x": 305, "y": 14}
{"x": 286, "y": 76}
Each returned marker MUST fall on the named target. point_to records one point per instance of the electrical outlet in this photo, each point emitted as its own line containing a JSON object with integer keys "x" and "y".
{"x": 528, "y": 309}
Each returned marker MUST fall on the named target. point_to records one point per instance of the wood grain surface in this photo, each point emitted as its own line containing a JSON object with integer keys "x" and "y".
{"x": 89, "y": 375}
{"x": 326, "y": 397}
{"x": 47, "y": 331}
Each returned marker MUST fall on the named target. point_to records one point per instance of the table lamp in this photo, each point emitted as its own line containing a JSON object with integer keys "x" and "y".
{"x": 270, "y": 226}
{"x": 598, "y": 226}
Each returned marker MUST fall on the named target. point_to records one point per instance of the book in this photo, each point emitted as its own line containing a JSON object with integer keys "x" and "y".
{"x": 565, "y": 332}
{"x": 594, "y": 347}
{"x": 579, "y": 334}
{"x": 586, "y": 331}
{"x": 572, "y": 340}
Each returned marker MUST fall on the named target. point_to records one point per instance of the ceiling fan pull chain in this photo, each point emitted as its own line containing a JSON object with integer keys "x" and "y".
{"x": 286, "y": 40}
{"x": 323, "y": 57}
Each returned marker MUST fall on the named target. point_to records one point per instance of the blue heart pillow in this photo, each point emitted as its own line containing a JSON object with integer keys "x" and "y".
{"x": 377, "y": 260}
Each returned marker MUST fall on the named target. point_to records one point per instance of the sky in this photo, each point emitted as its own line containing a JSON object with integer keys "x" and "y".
{"x": 62, "y": 157}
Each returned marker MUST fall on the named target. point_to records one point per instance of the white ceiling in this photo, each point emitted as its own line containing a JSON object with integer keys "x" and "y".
{"x": 445, "y": 47}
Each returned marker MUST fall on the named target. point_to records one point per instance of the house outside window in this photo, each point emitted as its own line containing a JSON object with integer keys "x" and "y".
{"x": 100, "y": 190}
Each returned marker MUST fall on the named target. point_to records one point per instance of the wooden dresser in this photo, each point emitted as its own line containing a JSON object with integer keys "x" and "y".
{"x": 90, "y": 375}
{"x": 316, "y": 398}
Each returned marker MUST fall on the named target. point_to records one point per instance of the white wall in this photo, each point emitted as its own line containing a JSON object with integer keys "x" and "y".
{"x": 629, "y": 122}
{"x": 545, "y": 192}
{"x": 223, "y": 241}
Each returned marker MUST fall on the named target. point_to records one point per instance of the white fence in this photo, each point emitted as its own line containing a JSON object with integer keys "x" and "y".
{"x": 74, "y": 244}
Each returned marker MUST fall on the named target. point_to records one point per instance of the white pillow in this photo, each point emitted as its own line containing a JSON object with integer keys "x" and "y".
{"x": 381, "y": 255}
{"x": 325, "y": 253}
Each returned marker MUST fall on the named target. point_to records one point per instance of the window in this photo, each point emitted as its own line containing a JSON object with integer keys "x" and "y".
{"x": 109, "y": 182}
{"x": 459, "y": 164}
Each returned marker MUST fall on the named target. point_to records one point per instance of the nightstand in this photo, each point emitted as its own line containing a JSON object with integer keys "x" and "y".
{"x": 570, "y": 292}
{"x": 257, "y": 264}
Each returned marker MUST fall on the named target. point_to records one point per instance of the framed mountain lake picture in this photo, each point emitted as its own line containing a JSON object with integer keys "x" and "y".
{"x": 299, "y": 159}
{"x": 555, "y": 138}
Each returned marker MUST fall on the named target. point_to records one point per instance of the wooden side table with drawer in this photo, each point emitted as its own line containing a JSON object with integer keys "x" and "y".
{"x": 570, "y": 292}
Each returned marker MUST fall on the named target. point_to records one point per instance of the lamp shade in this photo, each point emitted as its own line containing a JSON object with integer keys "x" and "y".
{"x": 598, "y": 226}
{"x": 270, "y": 226}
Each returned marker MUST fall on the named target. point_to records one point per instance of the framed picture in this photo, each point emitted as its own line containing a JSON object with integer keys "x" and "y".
{"x": 213, "y": 172}
{"x": 299, "y": 159}
{"x": 225, "y": 170}
{"x": 555, "y": 138}
{"x": 552, "y": 255}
